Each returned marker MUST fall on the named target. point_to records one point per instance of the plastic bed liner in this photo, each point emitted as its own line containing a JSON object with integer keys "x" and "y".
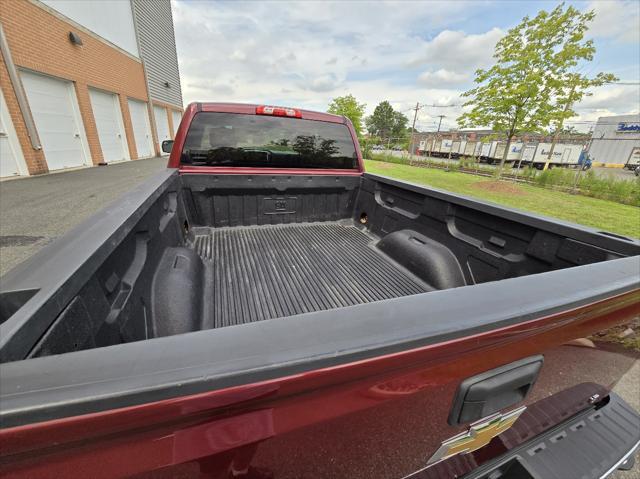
{"x": 263, "y": 272}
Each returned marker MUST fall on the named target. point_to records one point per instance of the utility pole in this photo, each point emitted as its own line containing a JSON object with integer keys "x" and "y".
{"x": 433, "y": 142}
{"x": 413, "y": 128}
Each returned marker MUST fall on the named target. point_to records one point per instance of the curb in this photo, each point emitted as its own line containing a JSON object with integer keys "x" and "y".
{"x": 608, "y": 165}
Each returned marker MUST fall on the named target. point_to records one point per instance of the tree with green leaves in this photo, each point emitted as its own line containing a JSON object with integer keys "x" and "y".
{"x": 537, "y": 77}
{"x": 382, "y": 121}
{"x": 348, "y": 106}
{"x": 386, "y": 122}
{"x": 400, "y": 123}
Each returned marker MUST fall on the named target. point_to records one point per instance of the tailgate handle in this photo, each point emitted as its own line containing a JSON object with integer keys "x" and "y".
{"x": 494, "y": 390}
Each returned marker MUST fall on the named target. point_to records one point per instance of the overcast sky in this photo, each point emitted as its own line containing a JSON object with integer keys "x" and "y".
{"x": 303, "y": 54}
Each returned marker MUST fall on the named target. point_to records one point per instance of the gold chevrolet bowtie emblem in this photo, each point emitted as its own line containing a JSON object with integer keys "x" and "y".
{"x": 478, "y": 435}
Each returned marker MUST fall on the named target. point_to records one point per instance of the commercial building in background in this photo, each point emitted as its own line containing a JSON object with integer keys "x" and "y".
{"x": 85, "y": 83}
{"x": 616, "y": 140}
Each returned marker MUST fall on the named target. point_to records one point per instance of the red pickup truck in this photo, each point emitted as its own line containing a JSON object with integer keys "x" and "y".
{"x": 266, "y": 309}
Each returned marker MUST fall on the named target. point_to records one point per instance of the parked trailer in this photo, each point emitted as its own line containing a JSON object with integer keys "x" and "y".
{"x": 442, "y": 148}
{"x": 463, "y": 144}
{"x": 445, "y": 147}
{"x": 564, "y": 154}
{"x": 478, "y": 148}
{"x": 436, "y": 148}
{"x": 455, "y": 149}
{"x": 528, "y": 153}
{"x": 515, "y": 150}
{"x": 634, "y": 159}
{"x": 496, "y": 154}
{"x": 430, "y": 144}
{"x": 470, "y": 148}
{"x": 426, "y": 147}
{"x": 485, "y": 150}
{"x": 492, "y": 151}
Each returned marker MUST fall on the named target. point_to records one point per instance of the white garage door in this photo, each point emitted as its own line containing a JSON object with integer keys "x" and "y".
{"x": 177, "y": 116}
{"x": 141, "y": 128}
{"x": 56, "y": 114}
{"x": 162, "y": 125}
{"x": 108, "y": 118}
{"x": 11, "y": 159}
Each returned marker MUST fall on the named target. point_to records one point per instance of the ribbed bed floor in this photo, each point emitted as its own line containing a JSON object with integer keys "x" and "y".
{"x": 268, "y": 272}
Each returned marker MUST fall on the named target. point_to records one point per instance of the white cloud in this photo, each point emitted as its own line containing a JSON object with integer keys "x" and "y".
{"x": 300, "y": 56}
{"x": 238, "y": 55}
{"x": 305, "y": 53}
{"x": 442, "y": 77}
{"x": 622, "y": 98}
{"x": 323, "y": 83}
{"x": 606, "y": 101}
{"x": 459, "y": 52}
{"x": 617, "y": 19}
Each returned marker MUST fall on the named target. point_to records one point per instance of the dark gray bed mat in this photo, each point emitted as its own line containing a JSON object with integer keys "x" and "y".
{"x": 268, "y": 272}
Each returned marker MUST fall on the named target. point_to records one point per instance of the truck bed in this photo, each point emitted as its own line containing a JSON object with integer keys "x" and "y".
{"x": 189, "y": 253}
{"x": 263, "y": 272}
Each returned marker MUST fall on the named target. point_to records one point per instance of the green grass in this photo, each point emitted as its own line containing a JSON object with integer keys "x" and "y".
{"x": 596, "y": 213}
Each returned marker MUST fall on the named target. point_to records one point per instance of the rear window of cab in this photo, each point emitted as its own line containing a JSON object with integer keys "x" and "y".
{"x": 240, "y": 140}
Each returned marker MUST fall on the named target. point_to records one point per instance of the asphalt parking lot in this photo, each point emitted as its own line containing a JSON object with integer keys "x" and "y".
{"x": 35, "y": 211}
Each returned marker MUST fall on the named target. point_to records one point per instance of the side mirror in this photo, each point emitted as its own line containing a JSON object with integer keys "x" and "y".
{"x": 167, "y": 145}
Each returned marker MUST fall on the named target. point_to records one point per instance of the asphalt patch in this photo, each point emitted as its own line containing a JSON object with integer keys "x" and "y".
{"x": 18, "y": 240}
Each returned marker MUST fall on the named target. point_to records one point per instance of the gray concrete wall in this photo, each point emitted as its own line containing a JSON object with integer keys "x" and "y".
{"x": 157, "y": 44}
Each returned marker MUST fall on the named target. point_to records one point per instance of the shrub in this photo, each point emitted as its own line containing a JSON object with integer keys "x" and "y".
{"x": 398, "y": 160}
{"x": 589, "y": 184}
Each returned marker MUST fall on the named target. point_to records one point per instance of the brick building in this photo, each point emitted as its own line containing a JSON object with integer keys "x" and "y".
{"x": 84, "y": 83}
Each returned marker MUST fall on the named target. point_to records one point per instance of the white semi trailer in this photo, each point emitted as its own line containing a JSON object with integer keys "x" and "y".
{"x": 455, "y": 148}
{"x": 515, "y": 150}
{"x": 442, "y": 148}
{"x": 564, "y": 154}
{"x": 485, "y": 149}
{"x": 470, "y": 149}
{"x": 528, "y": 153}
